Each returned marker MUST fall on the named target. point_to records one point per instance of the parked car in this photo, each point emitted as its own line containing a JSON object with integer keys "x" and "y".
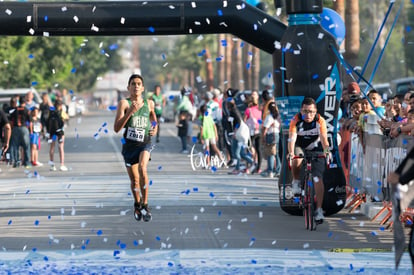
{"x": 6, "y": 94}
{"x": 400, "y": 86}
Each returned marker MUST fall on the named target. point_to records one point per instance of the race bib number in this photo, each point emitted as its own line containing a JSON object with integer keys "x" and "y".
{"x": 135, "y": 134}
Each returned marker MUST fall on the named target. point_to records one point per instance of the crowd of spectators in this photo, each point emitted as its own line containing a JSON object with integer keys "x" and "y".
{"x": 32, "y": 122}
{"x": 394, "y": 115}
{"x": 238, "y": 135}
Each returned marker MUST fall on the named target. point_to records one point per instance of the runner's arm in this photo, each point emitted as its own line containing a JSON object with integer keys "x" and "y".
{"x": 122, "y": 115}
{"x": 153, "y": 118}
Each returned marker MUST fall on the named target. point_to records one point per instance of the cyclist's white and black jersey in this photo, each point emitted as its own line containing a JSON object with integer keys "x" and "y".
{"x": 308, "y": 133}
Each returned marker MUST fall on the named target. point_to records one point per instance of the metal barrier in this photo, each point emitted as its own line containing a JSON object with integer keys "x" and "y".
{"x": 370, "y": 161}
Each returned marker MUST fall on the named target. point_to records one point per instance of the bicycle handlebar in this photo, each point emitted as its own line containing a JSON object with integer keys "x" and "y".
{"x": 328, "y": 161}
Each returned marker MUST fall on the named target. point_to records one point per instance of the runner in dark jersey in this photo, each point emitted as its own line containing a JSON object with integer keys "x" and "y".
{"x": 137, "y": 116}
{"x": 308, "y": 132}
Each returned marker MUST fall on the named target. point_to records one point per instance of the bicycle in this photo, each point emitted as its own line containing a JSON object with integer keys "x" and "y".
{"x": 307, "y": 199}
{"x": 198, "y": 159}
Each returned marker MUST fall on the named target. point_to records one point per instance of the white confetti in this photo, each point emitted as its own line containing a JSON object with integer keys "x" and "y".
{"x": 274, "y": 242}
{"x": 64, "y": 8}
{"x": 296, "y": 52}
{"x": 315, "y": 179}
{"x": 361, "y": 224}
{"x": 122, "y": 20}
{"x": 244, "y": 220}
{"x": 306, "y": 245}
{"x": 320, "y": 35}
{"x": 46, "y": 34}
{"x": 9, "y": 12}
{"x": 339, "y": 202}
{"x": 31, "y": 31}
{"x": 260, "y": 214}
{"x": 76, "y": 19}
{"x": 197, "y": 23}
{"x": 225, "y": 4}
{"x": 94, "y": 28}
{"x": 29, "y": 19}
{"x": 193, "y": 5}
{"x": 83, "y": 224}
{"x": 300, "y": 33}
{"x": 202, "y": 209}
{"x": 208, "y": 21}
{"x": 171, "y": 7}
{"x": 195, "y": 217}
{"x": 244, "y": 191}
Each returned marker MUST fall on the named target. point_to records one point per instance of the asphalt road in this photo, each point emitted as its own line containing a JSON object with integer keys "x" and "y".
{"x": 89, "y": 207}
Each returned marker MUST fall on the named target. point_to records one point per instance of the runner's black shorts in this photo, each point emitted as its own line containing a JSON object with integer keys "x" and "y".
{"x": 132, "y": 151}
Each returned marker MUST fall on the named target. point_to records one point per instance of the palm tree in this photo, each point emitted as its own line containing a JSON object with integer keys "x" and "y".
{"x": 352, "y": 42}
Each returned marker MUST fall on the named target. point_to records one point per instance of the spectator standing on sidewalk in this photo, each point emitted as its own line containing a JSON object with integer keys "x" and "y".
{"x": 56, "y": 134}
{"x": 35, "y": 130}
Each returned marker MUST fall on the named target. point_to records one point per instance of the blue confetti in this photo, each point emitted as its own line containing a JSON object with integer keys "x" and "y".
{"x": 330, "y": 234}
{"x": 123, "y": 246}
{"x": 351, "y": 267}
{"x": 46, "y": 258}
{"x": 206, "y": 113}
{"x": 150, "y": 182}
{"x": 153, "y": 123}
{"x": 151, "y": 29}
{"x": 123, "y": 141}
{"x": 194, "y": 139}
{"x": 10, "y": 222}
{"x": 113, "y": 47}
{"x": 214, "y": 169}
{"x": 218, "y": 59}
{"x": 259, "y": 121}
{"x": 212, "y": 194}
{"x": 163, "y": 56}
{"x": 219, "y": 213}
{"x": 171, "y": 97}
{"x": 254, "y": 262}
{"x": 159, "y": 168}
{"x": 36, "y": 223}
{"x": 73, "y": 70}
{"x": 27, "y": 192}
{"x": 31, "y": 56}
{"x": 99, "y": 232}
{"x": 104, "y": 125}
{"x": 112, "y": 107}
{"x": 136, "y": 243}
{"x": 195, "y": 189}
{"x": 170, "y": 264}
{"x": 34, "y": 249}
{"x": 315, "y": 76}
{"x": 49, "y": 217}
{"x": 116, "y": 252}
{"x": 373, "y": 233}
{"x": 46, "y": 18}
{"x": 248, "y": 66}
{"x": 220, "y": 12}
{"x": 158, "y": 238}
{"x": 382, "y": 228}
{"x": 34, "y": 83}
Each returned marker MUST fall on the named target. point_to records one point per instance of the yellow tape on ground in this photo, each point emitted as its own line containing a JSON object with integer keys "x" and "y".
{"x": 357, "y": 250}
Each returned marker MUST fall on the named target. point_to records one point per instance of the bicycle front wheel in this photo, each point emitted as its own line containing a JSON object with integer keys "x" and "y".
{"x": 309, "y": 204}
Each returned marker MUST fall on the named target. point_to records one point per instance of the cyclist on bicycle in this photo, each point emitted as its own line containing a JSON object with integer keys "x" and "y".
{"x": 308, "y": 132}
